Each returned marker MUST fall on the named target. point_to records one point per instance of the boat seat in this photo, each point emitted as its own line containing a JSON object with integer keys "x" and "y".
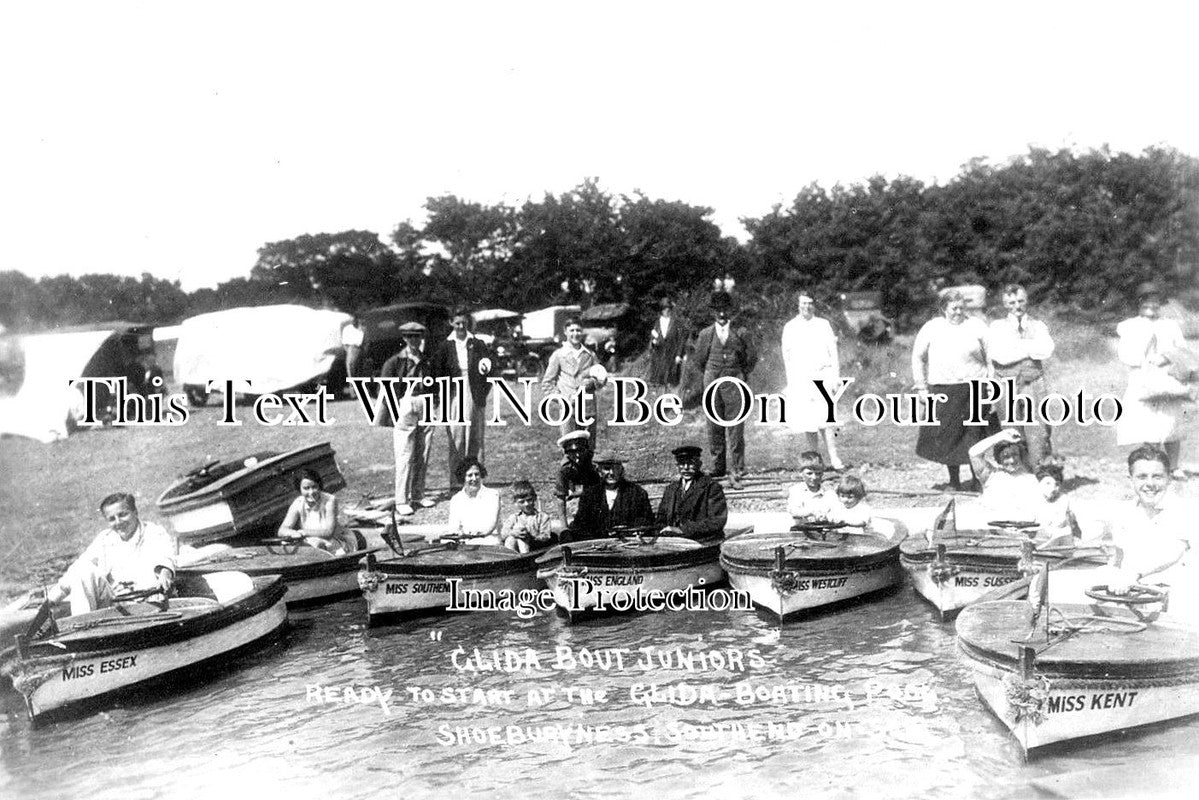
{"x": 227, "y": 585}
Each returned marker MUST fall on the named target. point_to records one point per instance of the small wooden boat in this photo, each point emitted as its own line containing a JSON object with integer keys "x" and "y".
{"x": 816, "y": 565}
{"x": 425, "y": 577}
{"x": 221, "y": 500}
{"x": 312, "y": 575}
{"x": 1087, "y": 670}
{"x": 959, "y": 568}
{"x": 80, "y": 659}
{"x": 617, "y": 574}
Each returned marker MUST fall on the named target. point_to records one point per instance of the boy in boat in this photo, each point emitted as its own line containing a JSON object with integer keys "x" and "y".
{"x": 528, "y": 528}
{"x": 1152, "y": 537}
{"x": 808, "y": 500}
{"x": 694, "y": 505}
{"x": 615, "y": 503}
{"x": 128, "y": 555}
{"x": 577, "y": 471}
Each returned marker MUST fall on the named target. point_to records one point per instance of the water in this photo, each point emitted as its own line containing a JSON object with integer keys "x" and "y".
{"x": 258, "y": 726}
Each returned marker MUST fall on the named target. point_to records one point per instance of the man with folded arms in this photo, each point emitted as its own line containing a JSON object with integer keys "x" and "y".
{"x": 615, "y": 503}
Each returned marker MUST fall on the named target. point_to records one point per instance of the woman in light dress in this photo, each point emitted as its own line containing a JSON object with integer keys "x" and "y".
{"x": 1152, "y": 349}
{"x": 313, "y": 516}
{"x": 809, "y": 355}
{"x": 475, "y": 510}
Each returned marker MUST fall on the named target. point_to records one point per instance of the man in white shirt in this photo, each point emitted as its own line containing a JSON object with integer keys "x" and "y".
{"x": 130, "y": 555}
{"x": 1018, "y": 346}
{"x": 352, "y": 337}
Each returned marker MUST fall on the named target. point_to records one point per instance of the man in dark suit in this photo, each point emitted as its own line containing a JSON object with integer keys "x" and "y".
{"x": 463, "y": 355}
{"x": 616, "y": 502}
{"x": 668, "y": 346}
{"x": 693, "y": 506}
{"x": 722, "y": 351}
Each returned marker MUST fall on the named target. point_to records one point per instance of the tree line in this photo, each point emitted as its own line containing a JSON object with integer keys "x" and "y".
{"x": 1080, "y": 229}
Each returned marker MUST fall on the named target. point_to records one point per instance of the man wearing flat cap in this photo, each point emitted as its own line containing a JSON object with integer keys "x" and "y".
{"x": 576, "y": 472}
{"x": 617, "y": 502}
{"x": 668, "y": 343}
{"x": 694, "y": 505}
{"x": 723, "y": 351}
{"x": 411, "y": 437}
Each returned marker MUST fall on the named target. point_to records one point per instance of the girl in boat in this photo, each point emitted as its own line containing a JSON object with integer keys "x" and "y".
{"x": 1008, "y": 487}
{"x": 313, "y": 516}
{"x": 853, "y": 509}
{"x": 475, "y": 510}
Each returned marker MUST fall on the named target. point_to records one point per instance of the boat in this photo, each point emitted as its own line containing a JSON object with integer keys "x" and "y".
{"x": 952, "y": 568}
{"x": 432, "y": 576}
{"x": 312, "y": 575}
{"x": 617, "y": 573}
{"x": 80, "y": 660}
{"x": 810, "y": 566}
{"x": 221, "y": 500}
{"x": 1073, "y": 671}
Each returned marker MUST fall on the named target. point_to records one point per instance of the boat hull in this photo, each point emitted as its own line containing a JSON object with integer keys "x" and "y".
{"x": 789, "y": 573}
{"x": 1097, "y": 670}
{"x": 56, "y": 680}
{"x": 245, "y": 499}
{"x": 611, "y": 575}
{"x": 423, "y": 581}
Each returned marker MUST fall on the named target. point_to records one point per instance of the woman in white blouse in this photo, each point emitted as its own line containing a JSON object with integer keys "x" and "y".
{"x": 951, "y": 351}
{"x": 475, "y": 511}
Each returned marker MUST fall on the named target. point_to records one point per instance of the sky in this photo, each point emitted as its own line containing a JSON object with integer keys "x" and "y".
{"x": 176, "y": 139}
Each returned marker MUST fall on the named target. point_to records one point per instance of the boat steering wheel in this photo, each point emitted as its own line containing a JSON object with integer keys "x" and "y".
{"x": 1137, "y": 595}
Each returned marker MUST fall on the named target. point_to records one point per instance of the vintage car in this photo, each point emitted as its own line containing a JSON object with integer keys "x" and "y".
{"x": 609, "y": 329}
{"x": 37, "y": 396}
{"x": 381, "y": 331}
{"x": 864, "y": 316}
{"x": 262, "y": 349}
{"x": 503, "y": 331}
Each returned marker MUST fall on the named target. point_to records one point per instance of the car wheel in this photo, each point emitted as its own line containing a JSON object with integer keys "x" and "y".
{"x": 196, "y": 397}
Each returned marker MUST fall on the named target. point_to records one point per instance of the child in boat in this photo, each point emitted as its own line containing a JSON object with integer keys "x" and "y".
{"x": 1056, "y": 518}
{"x": 808, "y": 500}
{"x": 852, "y": 508}
{"x": 1152, "y": 537}
{"x": 528, "y": 528}
{"x": 313, "y": 516}
{"x": 1009, "y": 489}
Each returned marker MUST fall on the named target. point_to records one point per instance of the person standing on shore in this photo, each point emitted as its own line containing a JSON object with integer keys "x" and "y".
{"x": 464, "y": 359}
{"x": 810, "y": 355}
{"x": 723, "y": 351}
{"x": 949, "y": 353}
{"x": 1018, "y": 346}
{"x": 569, "y": 373}
{"x": 411, "y": 436}
{"x": 1160, "y": 383}
{"x": 668, "y": 343}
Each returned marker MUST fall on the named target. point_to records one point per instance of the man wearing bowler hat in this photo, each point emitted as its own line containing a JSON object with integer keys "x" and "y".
{"x": 694, "y": 505}
{"x": 723, "y": 351}
{"x": 617, "y": 502}
{"x": 411, "y": 437}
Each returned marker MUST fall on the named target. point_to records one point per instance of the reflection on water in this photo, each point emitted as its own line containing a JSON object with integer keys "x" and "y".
{"x": 868, "y": 702}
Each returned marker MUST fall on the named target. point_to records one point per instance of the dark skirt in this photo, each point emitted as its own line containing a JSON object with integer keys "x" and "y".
{"x": 949, "y": 443}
